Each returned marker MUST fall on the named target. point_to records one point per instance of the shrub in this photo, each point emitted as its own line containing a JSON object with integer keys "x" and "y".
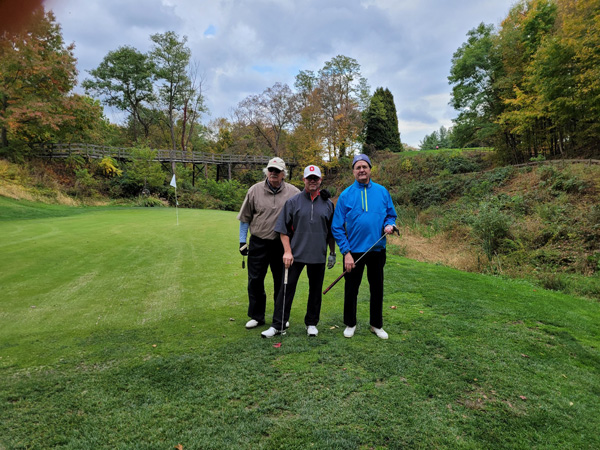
{"x": 230, "y": 193}
{"x": 425, "y": 194}
{"x": 149, "y": 201}
{"x": 552, "y": 281}
{"x": 406, "y": 165}
{"x": 143, "y": 172}
{"x": 86, "y": 184}
{"x": 211, "y": 194}
{"x": 593, "y": 262}
{"x": 197, "y": 200}
{"x": 457, "y": 163}
{"x": 593, "y": 216}
{"x": 74, "y": 162}
{"x": 558, "y": 182}
{"x": 491, "y": 226}
{"x": 552, "y": 213}
{"x": 332, "y": 190}
{"x": 108, "y": 167}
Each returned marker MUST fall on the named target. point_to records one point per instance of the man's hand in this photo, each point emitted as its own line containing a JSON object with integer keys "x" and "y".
{"x": 244, "y": 249}
{"x": 348, "y": 262}
{"x": 288, "y": 259}
{"x": 391, "y": 229}
{"x": 331, "y": 261}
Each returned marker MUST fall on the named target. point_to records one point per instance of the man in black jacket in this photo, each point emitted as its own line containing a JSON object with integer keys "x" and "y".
{"x": 304, "y": 226}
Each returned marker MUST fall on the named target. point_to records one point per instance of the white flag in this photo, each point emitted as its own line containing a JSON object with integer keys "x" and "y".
{"x": 173, "y": 183}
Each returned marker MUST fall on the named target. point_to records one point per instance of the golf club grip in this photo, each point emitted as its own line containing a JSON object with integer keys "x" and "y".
{"x": 335, "y": 282}
{"x": 285, "y": 276}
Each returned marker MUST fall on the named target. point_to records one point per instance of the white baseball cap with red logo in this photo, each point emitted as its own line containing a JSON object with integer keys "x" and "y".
{"x": 312, "y": 170}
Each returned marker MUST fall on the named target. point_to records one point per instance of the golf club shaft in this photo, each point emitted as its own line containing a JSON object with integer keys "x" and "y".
{"x": 335, "y": 282}
{"x": 285, "y": 281}
{"x": 355, "y": 262}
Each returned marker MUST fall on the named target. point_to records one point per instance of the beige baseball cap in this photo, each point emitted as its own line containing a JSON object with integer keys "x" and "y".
{"x": 276, "y": 163}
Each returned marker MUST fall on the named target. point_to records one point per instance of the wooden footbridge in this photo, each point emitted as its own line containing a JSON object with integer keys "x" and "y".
{"x": 198, "y": 160}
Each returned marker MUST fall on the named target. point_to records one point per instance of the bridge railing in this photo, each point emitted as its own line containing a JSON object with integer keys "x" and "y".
{"x": 100, "y": 151}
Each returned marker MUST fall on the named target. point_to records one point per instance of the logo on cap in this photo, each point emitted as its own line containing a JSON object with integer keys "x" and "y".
{"x": 312, "y": 170}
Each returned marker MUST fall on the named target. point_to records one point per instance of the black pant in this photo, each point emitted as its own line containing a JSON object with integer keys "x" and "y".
{"x": 374, "y": 261}
{"x": 262, "y": 254}
{"x": 316, "y": 274}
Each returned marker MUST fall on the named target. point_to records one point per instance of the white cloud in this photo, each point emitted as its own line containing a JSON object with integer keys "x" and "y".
{"x": 403, "y": 45}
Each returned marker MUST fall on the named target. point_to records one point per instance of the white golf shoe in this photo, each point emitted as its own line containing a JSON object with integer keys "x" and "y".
{"x": 379, "y": 332}
{"x": 253, "y": 324}
{"x": 311, "y": 330}
{"x": 269, "y": 333}
{"x": 349, "y": 331}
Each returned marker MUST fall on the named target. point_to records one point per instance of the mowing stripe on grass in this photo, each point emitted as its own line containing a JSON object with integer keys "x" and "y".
{"x": 119, "y": 329}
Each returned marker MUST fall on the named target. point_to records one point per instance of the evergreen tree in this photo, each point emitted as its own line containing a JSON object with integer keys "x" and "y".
{"x": 443, "y": 138}
{"x": 381, "y": 123}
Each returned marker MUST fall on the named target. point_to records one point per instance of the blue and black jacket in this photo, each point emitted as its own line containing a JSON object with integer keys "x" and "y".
{"x": 361, "y": 213}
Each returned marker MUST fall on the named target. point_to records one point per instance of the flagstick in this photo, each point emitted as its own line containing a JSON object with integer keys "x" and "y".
{"x": 176, "y": 209}
{"x": 174, "y": 184}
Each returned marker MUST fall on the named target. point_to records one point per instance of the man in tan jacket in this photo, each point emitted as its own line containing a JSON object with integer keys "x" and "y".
{"x": 259, "y": 212}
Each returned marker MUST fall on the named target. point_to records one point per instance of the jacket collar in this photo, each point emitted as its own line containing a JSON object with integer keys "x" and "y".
{"x": 307, "y": 194}
{"x": 272, "y": 189}
{"x": 361, "y": 185}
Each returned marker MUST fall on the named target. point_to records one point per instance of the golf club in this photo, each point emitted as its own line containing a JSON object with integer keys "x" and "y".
{"x": 285, "y": 280}
{"x": 243, "y": 247}
{"x": 355, "y": 262}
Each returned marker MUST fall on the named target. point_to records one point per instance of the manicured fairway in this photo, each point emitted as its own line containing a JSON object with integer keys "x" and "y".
{"x": 120, "y": 329}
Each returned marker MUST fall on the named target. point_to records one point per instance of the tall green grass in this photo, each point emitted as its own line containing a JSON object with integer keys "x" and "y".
{"x": 120, "y": 329}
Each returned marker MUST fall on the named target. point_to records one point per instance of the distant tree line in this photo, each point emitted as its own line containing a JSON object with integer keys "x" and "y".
{"x": 329, "y": 114}
{"x": 443, "y": 138}
{"x": 532, "y": 87}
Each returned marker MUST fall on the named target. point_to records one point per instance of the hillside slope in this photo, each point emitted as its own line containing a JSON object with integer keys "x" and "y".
{"x": 541, "y": 223}
{"x": 454, "y": 208}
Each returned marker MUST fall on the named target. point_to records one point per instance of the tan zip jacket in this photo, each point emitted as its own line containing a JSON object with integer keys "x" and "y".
{"x": 261, "y": 208}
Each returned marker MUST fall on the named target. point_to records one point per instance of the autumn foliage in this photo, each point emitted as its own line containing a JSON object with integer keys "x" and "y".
{"x": 533, "y": 87}
{"x": 37, "y": 74}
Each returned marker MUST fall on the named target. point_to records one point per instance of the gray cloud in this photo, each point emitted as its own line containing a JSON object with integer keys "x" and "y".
{"x": 403, "y": 45}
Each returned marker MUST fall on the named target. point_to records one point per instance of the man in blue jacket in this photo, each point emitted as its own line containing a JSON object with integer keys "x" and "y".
{"x": 364, "y": 211}
{"x": 304, "y": 226}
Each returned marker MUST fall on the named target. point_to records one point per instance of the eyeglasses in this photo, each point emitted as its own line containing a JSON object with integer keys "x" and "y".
{"x": 312, "y": 178}
{"x": 274, "y": 170}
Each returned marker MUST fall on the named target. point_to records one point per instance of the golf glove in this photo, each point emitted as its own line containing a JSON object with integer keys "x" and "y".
{"x": 244, "y": 249}
{"x": 331, "y": 261}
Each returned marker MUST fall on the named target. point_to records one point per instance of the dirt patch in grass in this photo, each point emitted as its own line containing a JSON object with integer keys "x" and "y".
{"x": 443, "y": 248}
{"x": 520, "y": 184}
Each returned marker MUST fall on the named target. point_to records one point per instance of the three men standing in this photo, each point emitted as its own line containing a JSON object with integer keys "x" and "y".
{"x": 296, "y": 228}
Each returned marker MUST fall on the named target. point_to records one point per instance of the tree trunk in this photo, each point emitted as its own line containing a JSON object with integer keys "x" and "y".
{"x": 4, "y": 133}
{"x": 4, "y": 137}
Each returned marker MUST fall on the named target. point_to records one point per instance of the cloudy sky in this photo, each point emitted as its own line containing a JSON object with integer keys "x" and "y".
{"x": 244, "y": 46}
